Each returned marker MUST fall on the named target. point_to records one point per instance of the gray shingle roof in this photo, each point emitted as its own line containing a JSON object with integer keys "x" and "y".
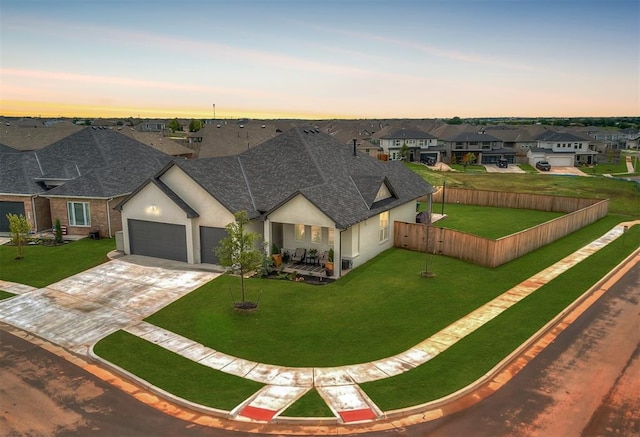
{"x": 558, "y": 136}
{"x": 408, "y": 134}
{"x": 94, "y": 163}
{"x": 7, "y": 149}
{"x": 312, "y": 164}
{"x": 473, "y": 136}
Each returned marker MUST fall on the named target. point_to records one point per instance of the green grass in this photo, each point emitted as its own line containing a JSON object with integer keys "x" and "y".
{"x": 528, "y": 168}
{"x": 491, "y": 222}
{"x": 44, "y": 265}
{"x": 624, "y": 196}
{"x": 368, "y": 314}
{"x": 610, "y": 168}
{"x": 476, "y": 354}
{"x": 5, "y": 294}
{"x": 470, "y": 168}
{"x": 309, "y": 405}
{"x": 176, "y": 374}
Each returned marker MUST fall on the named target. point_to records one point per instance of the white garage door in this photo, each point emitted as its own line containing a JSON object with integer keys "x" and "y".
{"x": 561, "y": 161}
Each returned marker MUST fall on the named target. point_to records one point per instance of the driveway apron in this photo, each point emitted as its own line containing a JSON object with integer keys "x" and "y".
{"x": 80, "y": 310}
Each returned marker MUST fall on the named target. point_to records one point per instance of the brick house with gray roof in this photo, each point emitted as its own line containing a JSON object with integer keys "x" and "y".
{"x": 77, "y": 180}
{"x": 301, "y": 189}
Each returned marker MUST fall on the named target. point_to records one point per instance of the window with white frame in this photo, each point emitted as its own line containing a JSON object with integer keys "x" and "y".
{"x": 78, "y": 213}
{"x": 299, "y": 233}
{"x": 316, "y": 234}
{"x": 384, "y": 226}
{"x": 330, "y": 237}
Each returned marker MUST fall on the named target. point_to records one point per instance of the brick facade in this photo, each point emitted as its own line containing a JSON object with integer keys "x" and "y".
{"x": 97, "y": 215}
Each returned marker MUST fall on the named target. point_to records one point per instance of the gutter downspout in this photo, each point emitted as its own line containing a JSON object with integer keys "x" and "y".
{"x": 33, "y": 210}
{"x": 109, "y": 217}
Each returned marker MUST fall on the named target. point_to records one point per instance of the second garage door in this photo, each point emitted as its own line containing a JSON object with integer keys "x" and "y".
{"x": 159, "y": 240}
{"x": 209, "y": 241}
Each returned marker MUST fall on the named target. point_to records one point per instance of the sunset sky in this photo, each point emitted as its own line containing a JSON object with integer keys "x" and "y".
{"x": 319, "y": 59}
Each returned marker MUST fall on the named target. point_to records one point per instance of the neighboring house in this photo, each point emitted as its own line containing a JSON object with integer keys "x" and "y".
{"x": 151, "y": 126}
{"x": 77, "y": 180}
{"x": 513, "y": 139}
{"x": 487, "y": 148}
{"x": 562, "y": 149}
{"x": 420, "y": 145}
{"x": 302, "y": 189}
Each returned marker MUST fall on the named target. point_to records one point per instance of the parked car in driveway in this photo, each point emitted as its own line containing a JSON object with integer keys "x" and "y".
{"x": 543, "y": 165}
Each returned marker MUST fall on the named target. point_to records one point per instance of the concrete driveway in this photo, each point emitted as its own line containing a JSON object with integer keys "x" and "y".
{"x": 564, "y": 170}
{"x": 80, "y": 310}
{"x": 511, "y": 168}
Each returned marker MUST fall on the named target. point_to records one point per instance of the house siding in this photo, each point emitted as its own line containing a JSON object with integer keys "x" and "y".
{"x": 369, "y": 244}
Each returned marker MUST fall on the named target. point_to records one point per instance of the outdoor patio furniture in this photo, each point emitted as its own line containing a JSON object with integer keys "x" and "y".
{"x": 298, "y": 255}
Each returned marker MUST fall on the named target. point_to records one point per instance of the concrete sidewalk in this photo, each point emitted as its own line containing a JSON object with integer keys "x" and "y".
{"x": 78, "y": 311}
{"x": 339, "y": 386}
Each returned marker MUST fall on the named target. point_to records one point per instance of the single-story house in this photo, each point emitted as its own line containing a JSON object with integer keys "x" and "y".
{"x": 301, "y": 189}
{"x": 77, "y": 180}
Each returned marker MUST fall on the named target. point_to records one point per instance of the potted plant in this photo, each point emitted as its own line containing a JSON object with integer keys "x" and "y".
{"x": 276, "y": 255}
{"x": 329, "y": 264}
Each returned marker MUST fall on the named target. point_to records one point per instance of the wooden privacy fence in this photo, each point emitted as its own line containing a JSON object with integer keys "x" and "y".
{"x": 492, "y": 253}
{"x": 502, "y": 199}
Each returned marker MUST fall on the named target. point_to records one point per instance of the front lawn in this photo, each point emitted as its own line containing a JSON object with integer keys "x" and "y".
{"x": 376, "y": 311}
{"x": 380, "y": 309}
{"x": 44, "y": 265}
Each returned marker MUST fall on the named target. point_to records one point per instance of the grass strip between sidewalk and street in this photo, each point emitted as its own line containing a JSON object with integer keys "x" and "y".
{"x": 5, "y": 295}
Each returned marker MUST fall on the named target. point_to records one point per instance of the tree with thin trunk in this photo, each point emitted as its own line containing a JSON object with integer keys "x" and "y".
{"x": 19, "y": 228}
{"x": 468, "y": 159}
{"x": 239, "y": 251}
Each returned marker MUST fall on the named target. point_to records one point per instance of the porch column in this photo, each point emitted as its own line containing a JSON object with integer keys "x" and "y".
{"x": 267, "y": 235}
{"x": 337, "y": 252}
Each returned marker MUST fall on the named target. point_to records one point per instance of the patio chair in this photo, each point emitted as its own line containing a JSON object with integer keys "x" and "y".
{"x": 298, "y": 255}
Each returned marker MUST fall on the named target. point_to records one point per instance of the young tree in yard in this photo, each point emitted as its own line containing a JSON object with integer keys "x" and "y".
{"x": 19, "y": 227}
{"x": 239, "y": 252}
{"x": 404, "y": 152}
{"x": 468, "y": 159}
{"x": 195, "y": 125}
{"x": 175, "y": 125}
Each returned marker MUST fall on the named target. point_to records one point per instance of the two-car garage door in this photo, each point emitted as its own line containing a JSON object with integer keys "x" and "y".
{"x": 169, "y": 241}
{"x": 159, "y": 240}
